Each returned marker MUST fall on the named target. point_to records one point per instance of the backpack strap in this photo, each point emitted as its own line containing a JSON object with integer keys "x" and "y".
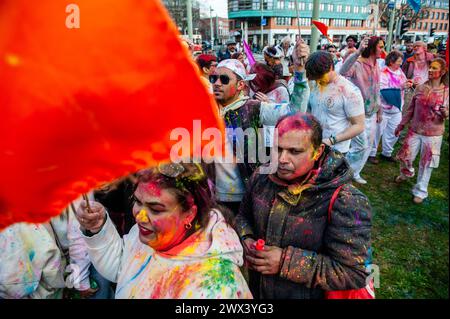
{"x": 333, "y": 199}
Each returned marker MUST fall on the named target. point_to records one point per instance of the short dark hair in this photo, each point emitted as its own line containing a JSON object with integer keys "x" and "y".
{"x": 236, "y": 55}
{"x": 351, "y": 37}
{"x": 330, "y": 46}
{"x": 318, "y": 63}
{"x": 303, "y": 121}
{"x": 265, "y": 77}
{"x": 392, "y": 57}
{"x": 371, "y": 46}
{"x": 408, "y": 41}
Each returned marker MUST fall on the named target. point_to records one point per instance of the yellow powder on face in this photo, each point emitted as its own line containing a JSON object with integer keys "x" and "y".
{"x": 142, "y": 216}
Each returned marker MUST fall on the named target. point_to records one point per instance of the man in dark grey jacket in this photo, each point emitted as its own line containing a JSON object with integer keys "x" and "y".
{"x": 309, "y": 248}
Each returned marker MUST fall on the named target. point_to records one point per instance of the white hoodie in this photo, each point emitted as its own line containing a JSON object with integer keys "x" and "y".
{"x": 205, "y": 265}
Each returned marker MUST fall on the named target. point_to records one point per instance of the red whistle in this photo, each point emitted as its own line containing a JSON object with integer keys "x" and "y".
{"x": 260, "y": 244}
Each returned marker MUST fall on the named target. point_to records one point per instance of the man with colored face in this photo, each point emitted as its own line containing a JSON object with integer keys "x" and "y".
{"x": 241, "y": 112}
{"x": 306, "y": 243}
{"x": 416, "y": 67}
{"x": 334, "y": 101}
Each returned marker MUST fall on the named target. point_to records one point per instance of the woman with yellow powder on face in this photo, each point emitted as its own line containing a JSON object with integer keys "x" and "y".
{"x": 180, "y": 247}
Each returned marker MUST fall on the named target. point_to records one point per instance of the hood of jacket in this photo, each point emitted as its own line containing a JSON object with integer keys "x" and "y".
{"x": 217, "y": 239}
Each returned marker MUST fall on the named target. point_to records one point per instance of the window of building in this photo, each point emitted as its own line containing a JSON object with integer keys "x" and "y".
{"x": 310, "y": 6}
{"x": 437, "y": 15}
{"x": 356, "y": 23}
{"x": 425, "y": 25}
{"x": 234, "y": 5}
{"x": 256, "y": 5}
{"x": 413, "y": 26}
{"x": 292, "y": 5}
{"x": 322, "y": 7}
{"x": 347, "y": 9}
{"x": 325, "y": 21}
{"x": 302, "y": 6}
{"x": 339, "y": 22}
{"x": 305, "y": 22}
{"x": 280, "y": 4}
{"x": 440, "y": 26}
{"x": 356, "y": 9}
{"x": 330, "y": 7}
{"x": 339, "y": 8}
{"x": 283, "y": 21}
{"x": 420, "y": 25}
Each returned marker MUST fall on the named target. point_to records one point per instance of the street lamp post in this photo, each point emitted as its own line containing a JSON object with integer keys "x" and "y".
{"x": 314, "y": 31}
{"x": 211, "y": 25}
{"x": 189, "y": 18}
{"x": 262, "y": 27}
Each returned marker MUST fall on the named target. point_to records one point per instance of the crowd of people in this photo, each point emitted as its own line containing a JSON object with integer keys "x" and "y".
{"x": 187, "y": 230}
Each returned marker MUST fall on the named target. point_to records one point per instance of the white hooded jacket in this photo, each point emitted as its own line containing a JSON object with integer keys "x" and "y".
{"x": 205, "y": 265}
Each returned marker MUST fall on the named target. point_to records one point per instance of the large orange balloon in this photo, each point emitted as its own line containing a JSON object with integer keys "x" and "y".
{"x": 82, "y": 106}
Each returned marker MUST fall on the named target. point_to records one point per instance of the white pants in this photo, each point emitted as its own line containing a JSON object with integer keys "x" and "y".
{"x": 430, "y": 151}
{"x": 360, "y": 146}
{"x": 386, "y": 130}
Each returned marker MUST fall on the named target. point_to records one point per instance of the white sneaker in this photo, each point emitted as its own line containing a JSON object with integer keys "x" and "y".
{"x": 360, "y": 180}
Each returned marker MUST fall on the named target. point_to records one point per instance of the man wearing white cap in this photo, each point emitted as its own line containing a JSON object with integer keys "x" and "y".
{"x": 239, "y": 111}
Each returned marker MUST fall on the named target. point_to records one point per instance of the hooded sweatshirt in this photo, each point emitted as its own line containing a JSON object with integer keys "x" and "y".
{"x": 366, "y": 77}
{"x": 392, "y": 80}
{"x": 205, "y": 265}
{"x": 32, "y": 264}
{"x": 318, "y": 254}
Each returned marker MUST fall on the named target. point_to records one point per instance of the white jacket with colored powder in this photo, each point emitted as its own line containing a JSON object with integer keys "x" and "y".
{"x": 205, "y": 265}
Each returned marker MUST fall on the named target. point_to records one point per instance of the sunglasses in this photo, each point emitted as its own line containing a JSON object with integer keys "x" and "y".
{"x": 224, "y": 79}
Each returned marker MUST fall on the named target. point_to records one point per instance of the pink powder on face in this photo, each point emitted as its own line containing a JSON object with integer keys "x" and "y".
{"x": 152, "y": 188}
{"x": 297, "y": 122}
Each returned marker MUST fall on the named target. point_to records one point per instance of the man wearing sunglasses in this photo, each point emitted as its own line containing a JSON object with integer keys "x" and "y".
{"x": 239, "y": 111}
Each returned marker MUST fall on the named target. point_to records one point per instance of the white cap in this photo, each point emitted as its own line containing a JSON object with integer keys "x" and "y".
{"x": 237, "y": 67}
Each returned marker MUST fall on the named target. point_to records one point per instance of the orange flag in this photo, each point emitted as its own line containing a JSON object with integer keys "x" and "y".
{"x": 88, "y": 93}
{"x": 323, "y": 28}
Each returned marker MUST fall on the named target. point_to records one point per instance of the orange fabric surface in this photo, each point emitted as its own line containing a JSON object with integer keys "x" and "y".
{"x": 80, "y": 107}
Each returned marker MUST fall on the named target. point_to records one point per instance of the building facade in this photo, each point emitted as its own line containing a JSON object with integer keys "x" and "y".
{"x": 178, "y": 12}
{"x": 221, "y": 31}
{"x": 344, "y": 18}
{"x": 434, "y": 17}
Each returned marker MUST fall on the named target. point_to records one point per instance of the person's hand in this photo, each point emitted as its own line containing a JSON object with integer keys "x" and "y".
{"x": 249, "y": 246}
{"x": 379, "y": 117}
{"x": 91, "y": 219}
{"x": 300, "y": 54}
{"x": 408, "y": 84}
{"x": 88, "y": 293}
{"x": 261, "y": 97}
{"x": 443, "y": 111}
{"x": 266, "y": 261}
{"x": 363, "y": 45}
{"x": 398, "y": 130}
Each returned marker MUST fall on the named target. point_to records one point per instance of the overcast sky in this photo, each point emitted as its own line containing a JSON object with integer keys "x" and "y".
{"x": 219, "y": 7}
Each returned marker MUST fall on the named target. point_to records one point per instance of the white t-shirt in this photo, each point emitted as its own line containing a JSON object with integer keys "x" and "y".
{"x": 334, "y": 105}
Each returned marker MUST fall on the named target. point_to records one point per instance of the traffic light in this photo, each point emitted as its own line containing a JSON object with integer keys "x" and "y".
{"x": 404, "y": 27}
{"x": 432, "y": 30}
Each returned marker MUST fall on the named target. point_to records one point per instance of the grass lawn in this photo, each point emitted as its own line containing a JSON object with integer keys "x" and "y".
{"x": 410, "y": 242}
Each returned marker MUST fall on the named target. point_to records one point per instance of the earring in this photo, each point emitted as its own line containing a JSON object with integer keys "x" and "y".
{"x": 188, "y": 225}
